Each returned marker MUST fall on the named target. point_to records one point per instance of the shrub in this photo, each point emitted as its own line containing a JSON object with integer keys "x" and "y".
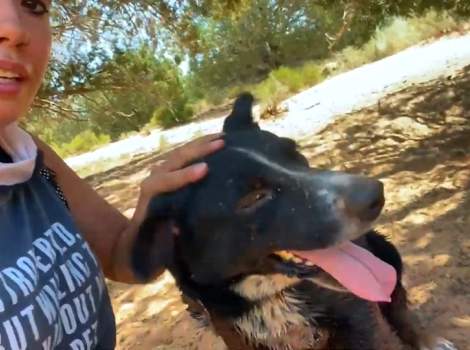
{"x": 163, "y": 143}
{"x": 399, "y": 35}
{"x": 270, "y": 89}
{"x": 288, "y": 77}
{"x": 172, "y": 115}
{"x": 84, "y": 142}
{"x": 201, "y": 106}
{"x": 216, "y": 98}
{"x": 235, "y": 91}
{"x": 311, "y": 74}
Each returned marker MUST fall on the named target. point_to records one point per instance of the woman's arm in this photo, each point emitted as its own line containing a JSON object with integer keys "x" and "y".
{"x": 108, "y": 232}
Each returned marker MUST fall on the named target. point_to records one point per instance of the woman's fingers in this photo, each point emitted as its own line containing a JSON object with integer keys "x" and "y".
{"x": 171, "y": 172}
{"x": 201, "y": 147}
{"x": 163, "y": 181}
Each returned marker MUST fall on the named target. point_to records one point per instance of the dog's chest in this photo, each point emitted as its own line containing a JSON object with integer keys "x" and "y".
{"x": 276, "y": 323}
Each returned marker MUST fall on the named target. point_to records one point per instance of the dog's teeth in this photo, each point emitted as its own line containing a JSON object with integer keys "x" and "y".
{"x": 309, "y": 263}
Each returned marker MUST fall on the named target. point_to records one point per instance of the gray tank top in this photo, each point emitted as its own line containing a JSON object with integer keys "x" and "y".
{"x": 52, "y": 290}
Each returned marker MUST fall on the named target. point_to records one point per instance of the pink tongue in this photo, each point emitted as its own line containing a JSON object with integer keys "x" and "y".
{"x": 356, "y": 269}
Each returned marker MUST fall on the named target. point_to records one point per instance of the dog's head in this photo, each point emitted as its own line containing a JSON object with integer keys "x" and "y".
{"x": 257, "y": 210}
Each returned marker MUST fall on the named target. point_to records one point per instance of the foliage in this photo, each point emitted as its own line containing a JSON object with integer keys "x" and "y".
{"x": 163, "y": 143}
{"x": 116, "y": 65}
{"x": 85, "y": 141}
{"x": 263, "y": 37}
{"x": 399, "y": 35}
{"x": 171, "y": 115}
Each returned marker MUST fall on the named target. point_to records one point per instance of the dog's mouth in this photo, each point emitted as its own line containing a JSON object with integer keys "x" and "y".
{"x": 293, "y": 265}
{"x": 353, "y": 267}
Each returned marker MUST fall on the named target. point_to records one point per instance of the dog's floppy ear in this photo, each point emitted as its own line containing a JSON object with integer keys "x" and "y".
{"x": 241, "y": 117}
{"x": 153, "y": 248}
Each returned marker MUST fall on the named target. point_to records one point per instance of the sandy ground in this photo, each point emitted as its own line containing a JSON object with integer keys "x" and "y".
{"x": 417, "y": 141}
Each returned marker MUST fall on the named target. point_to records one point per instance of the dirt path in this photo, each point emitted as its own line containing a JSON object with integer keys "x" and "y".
{"x": 417, "y": 141}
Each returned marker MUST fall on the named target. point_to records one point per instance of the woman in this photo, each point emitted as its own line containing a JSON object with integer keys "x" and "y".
{"x": 56, "y": 233}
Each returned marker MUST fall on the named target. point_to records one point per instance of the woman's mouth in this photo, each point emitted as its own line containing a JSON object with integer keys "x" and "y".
{"x": 10, "y": 83}
{"x": 12, "y": 77}
{"x": 4, "y": 74}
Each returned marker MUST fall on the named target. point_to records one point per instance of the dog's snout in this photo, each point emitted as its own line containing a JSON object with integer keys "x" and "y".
{"x": 364, "y": 198}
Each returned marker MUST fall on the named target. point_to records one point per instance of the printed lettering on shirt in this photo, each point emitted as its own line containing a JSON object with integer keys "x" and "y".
{"x": 38, "y": 316}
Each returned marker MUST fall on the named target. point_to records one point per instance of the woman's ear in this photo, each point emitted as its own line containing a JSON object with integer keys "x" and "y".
{"x": 154, "y": 246}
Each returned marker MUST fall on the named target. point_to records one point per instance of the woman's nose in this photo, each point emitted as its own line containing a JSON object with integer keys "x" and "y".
{"x": 13, "y": 31}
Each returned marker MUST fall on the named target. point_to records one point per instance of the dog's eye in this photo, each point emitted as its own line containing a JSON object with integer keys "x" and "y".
{"x": 254, "y": 200}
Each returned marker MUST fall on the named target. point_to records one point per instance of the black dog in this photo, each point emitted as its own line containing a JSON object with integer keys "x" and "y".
{"x": 264, "y": 244}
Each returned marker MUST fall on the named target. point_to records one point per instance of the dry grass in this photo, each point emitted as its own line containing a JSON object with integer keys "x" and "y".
{"x": 417, "y": 141}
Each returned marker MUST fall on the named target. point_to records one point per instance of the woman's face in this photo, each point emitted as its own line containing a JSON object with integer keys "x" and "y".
{"x": 25, "y": 45}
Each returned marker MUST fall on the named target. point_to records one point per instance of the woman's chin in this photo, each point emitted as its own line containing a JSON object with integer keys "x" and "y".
{"x": 10, "y": 111}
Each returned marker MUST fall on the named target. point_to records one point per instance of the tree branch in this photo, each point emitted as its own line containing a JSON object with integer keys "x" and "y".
{"x": 56, "y": 108}
{"x": 348, "y": 17}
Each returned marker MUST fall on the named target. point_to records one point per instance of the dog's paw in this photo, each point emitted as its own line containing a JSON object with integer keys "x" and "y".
{"x": 441, "y": 344}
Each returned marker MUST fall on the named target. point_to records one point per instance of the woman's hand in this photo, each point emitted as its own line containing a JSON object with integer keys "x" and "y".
{"x": 171, "y": 172}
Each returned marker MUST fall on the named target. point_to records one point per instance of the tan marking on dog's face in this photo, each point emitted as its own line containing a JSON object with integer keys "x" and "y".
{"x": 257, "y": 287}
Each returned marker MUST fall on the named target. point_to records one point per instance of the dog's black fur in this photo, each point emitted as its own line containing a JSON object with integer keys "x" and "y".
{"x": 241, "y": 115}
{"x": 217, "y": 238}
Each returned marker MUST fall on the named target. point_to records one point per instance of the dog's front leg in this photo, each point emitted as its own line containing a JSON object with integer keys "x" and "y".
{"x": 401, "y": 319}
{"x": 407, "y": 325}
{"x": 352, "y": 340}
{"x": 366, "y": 329}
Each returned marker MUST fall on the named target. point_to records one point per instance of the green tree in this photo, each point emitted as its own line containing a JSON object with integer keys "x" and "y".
{"x": 115, "y": 61}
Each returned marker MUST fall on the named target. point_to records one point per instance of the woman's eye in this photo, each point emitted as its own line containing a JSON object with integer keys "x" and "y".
{"x": 35, "y": 7}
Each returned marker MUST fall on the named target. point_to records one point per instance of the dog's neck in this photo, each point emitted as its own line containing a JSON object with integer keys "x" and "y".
{"x": 271, "y": 318}
{"x": 275, "y": 320}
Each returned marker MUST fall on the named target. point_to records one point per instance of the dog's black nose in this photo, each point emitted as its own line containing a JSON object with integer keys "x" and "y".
{"x": 364, "y": 198}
